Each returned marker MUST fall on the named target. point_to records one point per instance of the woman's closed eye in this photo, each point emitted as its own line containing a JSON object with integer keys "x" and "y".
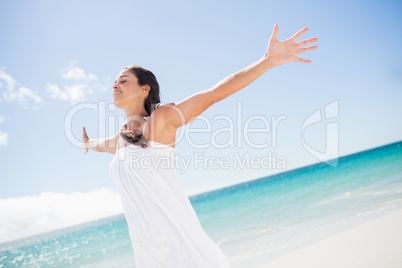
{"x": 121, "y": 82}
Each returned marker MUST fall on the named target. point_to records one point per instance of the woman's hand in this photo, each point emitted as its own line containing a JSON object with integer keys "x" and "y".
{"x": 281, "y": 52}
{"x": 88, "y": 143}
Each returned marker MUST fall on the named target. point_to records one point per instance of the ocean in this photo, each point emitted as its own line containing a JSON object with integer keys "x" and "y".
{"x": 266, "y": 217}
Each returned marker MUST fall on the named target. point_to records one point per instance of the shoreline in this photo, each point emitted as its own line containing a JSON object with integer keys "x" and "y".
{"x": 376, "y": 243}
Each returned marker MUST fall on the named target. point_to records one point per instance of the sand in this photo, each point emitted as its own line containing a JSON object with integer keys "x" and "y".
{"x": 373, "y": 244}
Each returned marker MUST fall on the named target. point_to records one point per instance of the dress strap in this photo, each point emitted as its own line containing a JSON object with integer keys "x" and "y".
{"x": 146, "y": 121}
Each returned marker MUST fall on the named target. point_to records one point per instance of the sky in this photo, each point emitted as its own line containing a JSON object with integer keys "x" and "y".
{"x": 58, "y": 61}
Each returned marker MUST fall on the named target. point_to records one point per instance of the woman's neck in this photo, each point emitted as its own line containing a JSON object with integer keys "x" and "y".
{"x": 136, "y": 115}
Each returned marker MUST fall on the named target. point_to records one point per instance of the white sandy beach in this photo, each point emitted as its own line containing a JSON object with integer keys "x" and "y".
{"x": 374, "y": 244}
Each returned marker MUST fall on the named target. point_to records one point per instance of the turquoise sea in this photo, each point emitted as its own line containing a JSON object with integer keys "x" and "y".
{"x": 266, "y": 217}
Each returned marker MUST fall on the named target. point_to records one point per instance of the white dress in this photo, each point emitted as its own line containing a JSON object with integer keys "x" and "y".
{"x": 163, "y": 226}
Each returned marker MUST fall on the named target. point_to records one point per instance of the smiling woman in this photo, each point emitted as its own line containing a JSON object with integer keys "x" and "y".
{"x": 138, "y": 87}
{"x": 164, "y": 228}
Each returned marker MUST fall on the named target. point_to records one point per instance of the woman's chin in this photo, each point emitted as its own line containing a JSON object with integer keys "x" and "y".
{"x": 117, "y": 103}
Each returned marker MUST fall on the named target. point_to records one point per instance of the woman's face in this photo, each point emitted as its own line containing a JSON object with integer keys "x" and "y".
{"x": 127, "y": 90}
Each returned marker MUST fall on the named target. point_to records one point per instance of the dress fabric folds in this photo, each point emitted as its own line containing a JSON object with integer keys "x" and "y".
{"x": 163, "y": 226}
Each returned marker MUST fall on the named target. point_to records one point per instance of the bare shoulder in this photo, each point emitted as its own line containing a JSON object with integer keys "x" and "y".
{"x": 167, "y": 108}
{"x": 164, "y": 114}
{"x": 171, "y": 115}
{"x": 177, "y": 114}
{"x": 159, "y": 127}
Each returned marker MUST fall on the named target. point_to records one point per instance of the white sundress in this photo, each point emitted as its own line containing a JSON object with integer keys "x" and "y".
{"x": 163, "y": 226}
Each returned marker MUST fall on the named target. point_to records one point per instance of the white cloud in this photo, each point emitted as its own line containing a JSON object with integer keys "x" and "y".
{"x": 9, "y": 81}
{"x": 75, "y": 93}
{"x": 56, "y": 93}
{"x": 31, "y": 215}
{"x": 23, "y": 94}
{"x": 10, "y": 93}
{"x": 77, "y": 73}
{"x": 2, "y": 119}
{"x": 84, "y": 85}
{"x": 3, "y": 138}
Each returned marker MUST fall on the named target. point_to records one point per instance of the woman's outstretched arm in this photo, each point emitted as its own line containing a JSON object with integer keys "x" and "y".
{"x": 240, "y": 79}
{"x": 107, "y": 145}
{"x": 278, "y": 53}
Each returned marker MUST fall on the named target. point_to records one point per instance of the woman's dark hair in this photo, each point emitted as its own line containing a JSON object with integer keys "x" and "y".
{"x": 145, "y": 77}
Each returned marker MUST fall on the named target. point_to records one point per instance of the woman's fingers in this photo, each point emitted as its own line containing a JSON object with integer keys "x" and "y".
{"x": 302, "y": 60}
{"x": 285, "y": 51}
{"x": 299, "y": 33}
{"x": 275, "y": 32}
{"x": 306, "y": 42}
{"x": 302, "y": 50}
{"x": 84, "y": 135}
{"x": 85, "y": 139}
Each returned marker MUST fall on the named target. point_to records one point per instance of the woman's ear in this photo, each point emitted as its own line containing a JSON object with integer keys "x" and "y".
{"x": 145, "y": 89}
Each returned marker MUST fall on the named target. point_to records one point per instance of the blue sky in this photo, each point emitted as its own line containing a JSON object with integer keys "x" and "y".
{"x": 55, "y": 56}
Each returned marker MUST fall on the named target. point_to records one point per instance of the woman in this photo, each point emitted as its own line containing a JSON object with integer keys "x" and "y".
{"x": 164, "y": 228}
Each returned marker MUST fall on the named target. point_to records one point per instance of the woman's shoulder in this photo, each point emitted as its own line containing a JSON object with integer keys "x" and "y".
{"x": 163, "y": 110}
{"x": 164, "y": 105}
{"x": 166, "y": 110}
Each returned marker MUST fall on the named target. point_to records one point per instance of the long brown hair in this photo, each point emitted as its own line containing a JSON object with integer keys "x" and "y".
{"x": 145, "y": 77}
